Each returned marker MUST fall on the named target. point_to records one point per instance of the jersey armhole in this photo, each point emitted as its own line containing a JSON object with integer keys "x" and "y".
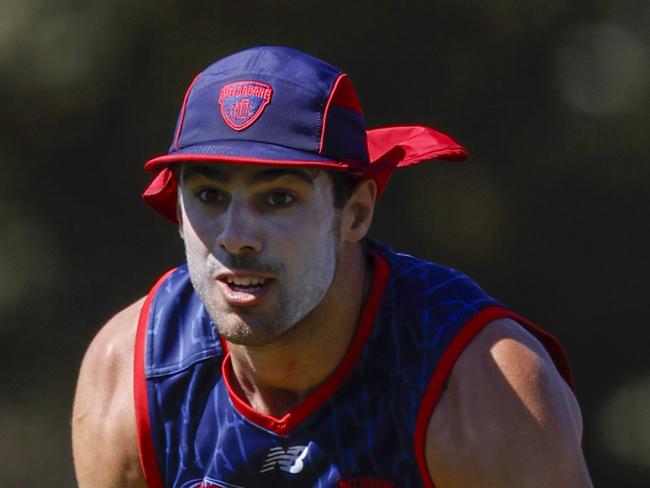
{"x": 471, "y": 329}
{"x": 148, "y": 462}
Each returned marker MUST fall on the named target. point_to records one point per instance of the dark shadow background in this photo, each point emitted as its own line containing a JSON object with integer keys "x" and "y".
{"x": 551, "y": 214}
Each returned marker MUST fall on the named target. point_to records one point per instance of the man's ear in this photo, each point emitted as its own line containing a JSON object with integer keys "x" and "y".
{"x": 358, "y": 211}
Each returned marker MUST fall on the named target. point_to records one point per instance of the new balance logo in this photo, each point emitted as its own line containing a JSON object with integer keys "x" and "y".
{"x": 289, "y": 461}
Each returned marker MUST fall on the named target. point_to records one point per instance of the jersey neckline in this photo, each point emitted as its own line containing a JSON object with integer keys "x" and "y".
{"x": 289, "y": 421}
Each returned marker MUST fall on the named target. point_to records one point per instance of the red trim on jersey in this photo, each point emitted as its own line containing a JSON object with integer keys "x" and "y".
{"x": 182, "y": 116}
{"x": 283, "y": 426}
{"x": 148, "y": 461}
{"x": 552, "y": 346}
{"x": 475, "y": 325}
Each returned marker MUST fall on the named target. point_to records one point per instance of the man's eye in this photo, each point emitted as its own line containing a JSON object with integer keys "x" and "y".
{"x": 210, "y": 196}
{"x": 280, "y": 199}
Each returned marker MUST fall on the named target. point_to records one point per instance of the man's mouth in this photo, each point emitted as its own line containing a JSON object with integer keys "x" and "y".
{"x": 245, "y": 282}
{"x": 243, "y": 290}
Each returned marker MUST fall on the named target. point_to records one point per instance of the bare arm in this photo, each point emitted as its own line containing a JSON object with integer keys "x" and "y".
{"x": 104, "y": 438}
{"x": 506, "y": 418}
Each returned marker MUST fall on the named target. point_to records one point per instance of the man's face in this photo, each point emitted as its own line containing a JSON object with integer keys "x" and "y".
{"x": 262, "y": 245}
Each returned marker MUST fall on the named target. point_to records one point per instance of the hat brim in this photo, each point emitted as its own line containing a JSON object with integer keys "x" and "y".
{"x": 389, "y": 148}
{"x": 252, "y": 153}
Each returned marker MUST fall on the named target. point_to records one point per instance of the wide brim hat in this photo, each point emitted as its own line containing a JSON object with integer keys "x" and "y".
{"x": 277, "y": 106}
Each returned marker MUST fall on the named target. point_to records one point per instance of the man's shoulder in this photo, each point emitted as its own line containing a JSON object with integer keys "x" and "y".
{"x": 420, "y": 282}
{"x": 113, "y": 346}
{"x": 506, "y": 415}
{"x": 407, "y": 266}
{"x": 505, "y": 353}
{"x": 103, "y": 412}
{"x": 107, "y": 368}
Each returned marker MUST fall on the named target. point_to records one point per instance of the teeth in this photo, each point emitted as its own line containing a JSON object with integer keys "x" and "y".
{"x": 245, "y": 280}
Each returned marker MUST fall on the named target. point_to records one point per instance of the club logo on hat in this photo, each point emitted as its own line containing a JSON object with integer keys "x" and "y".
{"x": 242, "y": 102}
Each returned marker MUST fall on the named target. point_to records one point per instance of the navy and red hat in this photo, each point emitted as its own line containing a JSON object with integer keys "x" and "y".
{"x": 274, "y": 105}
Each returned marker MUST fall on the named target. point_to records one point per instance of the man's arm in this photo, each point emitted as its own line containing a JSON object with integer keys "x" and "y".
{"x": 506, "y": 418}
{"x": 104, "y": 438}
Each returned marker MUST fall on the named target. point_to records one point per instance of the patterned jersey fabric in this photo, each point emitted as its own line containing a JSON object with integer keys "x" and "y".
{"x": 363, "y": 427}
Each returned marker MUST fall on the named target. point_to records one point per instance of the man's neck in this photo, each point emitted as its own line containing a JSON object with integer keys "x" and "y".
{"x": 276, "y": 377}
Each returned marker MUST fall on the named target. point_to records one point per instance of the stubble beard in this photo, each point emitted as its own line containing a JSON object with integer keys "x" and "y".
{"x": 251, "y": 326}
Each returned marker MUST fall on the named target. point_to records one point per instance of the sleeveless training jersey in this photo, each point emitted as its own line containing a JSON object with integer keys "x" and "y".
{"x": 364, "y": 427}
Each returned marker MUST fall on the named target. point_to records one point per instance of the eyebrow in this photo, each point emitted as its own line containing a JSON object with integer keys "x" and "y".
{"x": 275, "y": 173}
{"x": 209, "y": 172}
{"x": 213, "y": 172}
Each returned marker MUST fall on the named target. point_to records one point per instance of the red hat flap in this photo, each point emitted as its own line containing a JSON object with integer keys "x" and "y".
{"x": 161, "y": 194}
{"x": 401, "y": 146}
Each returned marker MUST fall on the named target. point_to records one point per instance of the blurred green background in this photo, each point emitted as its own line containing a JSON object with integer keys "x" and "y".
{"x": 551, "y": 214}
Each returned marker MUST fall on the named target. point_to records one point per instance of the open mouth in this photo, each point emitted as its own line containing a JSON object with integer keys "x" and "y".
{"x": 243, "y": 290}
{"x": 245, "y": 283}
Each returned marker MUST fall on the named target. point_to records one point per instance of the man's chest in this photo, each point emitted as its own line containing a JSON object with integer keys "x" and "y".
{"x": 359, "y": 438}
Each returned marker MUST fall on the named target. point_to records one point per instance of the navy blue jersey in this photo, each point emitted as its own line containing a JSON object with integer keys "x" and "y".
{"x": 365, "y": 426}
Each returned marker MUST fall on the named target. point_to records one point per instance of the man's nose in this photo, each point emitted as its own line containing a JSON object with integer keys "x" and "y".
{"x": 238, "y": 234}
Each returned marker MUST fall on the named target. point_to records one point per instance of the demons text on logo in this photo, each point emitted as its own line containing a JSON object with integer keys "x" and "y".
{"x": 242, "y": 102}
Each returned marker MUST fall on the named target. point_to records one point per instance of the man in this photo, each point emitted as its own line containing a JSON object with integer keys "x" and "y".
{"x": 293, "y": 351}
